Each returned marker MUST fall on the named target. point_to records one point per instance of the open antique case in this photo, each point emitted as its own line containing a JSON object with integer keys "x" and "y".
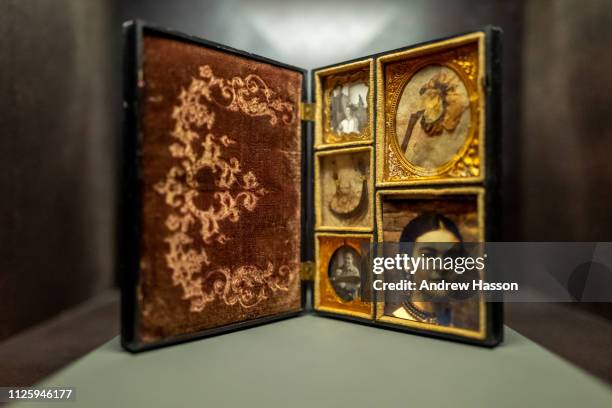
{"x": 238, "y": 195}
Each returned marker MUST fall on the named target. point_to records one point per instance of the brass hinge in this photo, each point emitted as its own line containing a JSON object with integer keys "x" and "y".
{"x": 307, "y": 271}
{"x": 307, "y": 111}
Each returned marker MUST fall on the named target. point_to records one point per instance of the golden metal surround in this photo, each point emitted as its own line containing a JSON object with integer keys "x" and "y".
{"x": 362, "y": 71}
{"x": 317, "y": 190}
{"x": 324, "y": 297}
{"x": 467, "y": 166}
{"x": 307, "y": 111}
{"x": 479, "y": 192}
{"x": 307, "y": 271}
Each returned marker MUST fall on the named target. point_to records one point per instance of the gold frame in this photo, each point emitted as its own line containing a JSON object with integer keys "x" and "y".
{"x": 317, "y": 289}
{"x": 476, "y": 134}
{"x": 342, "y": 73}
{"x": 479, "y": 192}
{"x": 317, "y": 189}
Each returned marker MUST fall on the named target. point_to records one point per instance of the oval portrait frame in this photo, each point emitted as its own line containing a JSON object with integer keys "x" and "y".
{"x": 335, "y": 252}
{"x": 472, "y": 93}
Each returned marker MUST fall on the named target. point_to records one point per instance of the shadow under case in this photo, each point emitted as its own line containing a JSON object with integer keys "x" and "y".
{"x": 238, "y": 195}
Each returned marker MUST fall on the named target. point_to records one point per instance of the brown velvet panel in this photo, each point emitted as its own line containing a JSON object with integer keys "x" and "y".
{"x": 221, "y": 184}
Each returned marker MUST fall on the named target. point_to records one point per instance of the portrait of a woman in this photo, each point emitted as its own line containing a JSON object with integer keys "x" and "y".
{"x": 430, "y": 235}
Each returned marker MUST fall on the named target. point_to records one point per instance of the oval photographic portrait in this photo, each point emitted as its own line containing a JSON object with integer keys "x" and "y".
{"x": 345, "y": 273}
{"x": 433, "y": 117}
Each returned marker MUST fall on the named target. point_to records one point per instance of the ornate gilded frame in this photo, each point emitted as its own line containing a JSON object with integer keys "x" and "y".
{"x": 324, "y": 290}
{"x": 360, "y": 71}
{"x": 317, "y": 190}
{"x": 467, "y": 165}
{"x": 479, "y": 192}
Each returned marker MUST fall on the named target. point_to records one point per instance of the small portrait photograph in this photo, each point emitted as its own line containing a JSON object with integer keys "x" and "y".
{"x": 346, "y": 97}
{"x": 344, "y": 189}
{"x": 349, "y": 108}
{"x": 342, "y": 284}
{"x": 437, "y": 227}
{"x": 433, "y": 117}
{"x": 344, "y": 273}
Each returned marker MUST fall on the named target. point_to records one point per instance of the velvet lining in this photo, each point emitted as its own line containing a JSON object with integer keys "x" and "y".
{"x": 220, "y": 167}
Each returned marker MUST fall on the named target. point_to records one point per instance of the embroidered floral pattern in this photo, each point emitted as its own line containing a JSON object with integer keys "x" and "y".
{"x": 198, "y": 149}
{"x": 249, "y": 95}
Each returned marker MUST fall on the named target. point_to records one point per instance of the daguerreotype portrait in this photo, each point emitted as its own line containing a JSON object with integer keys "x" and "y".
{"x": 344, "y": 273}
{"x": 341, "y": 276}
{"x": 432, "y": 117}
{"x": 346, "y": 105}
{"x": 221, "y": 181}
{"x": 344, "y": 189}
{"x": 434, "y": 225}
{"x": 349, "y": 109}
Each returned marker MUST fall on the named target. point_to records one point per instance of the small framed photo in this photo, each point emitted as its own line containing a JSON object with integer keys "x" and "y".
{"x": 434, "y": 222}
{"x": 431, "y": 119}
{"x": 344, "y": 196}
{"x": 342, "y": 281}
{"x": 345, "y": 109}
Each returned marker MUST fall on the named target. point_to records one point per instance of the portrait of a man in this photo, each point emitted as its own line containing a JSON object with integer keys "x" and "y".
{"x": 351, "y": 190}
{"x": 345, "y": 273}
{"x": 433, "y": 117}
{"x": 341, "y": 281}
{"x": 344, "y": 190}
